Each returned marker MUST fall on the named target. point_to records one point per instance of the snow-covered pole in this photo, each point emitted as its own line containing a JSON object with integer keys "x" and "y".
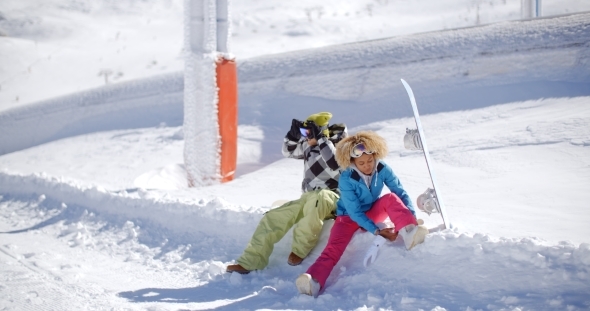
{"x": 530, "y": 8}
{"x": 207, "y": 135}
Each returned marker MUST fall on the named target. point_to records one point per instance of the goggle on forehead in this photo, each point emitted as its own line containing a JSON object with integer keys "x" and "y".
{"x": 358, "y": 150}
{"x": 303, "y": 132}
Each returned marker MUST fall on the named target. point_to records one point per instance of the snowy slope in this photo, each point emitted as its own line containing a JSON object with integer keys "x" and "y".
{"x": 58, "y": 47}
{"x": 513, "y": 248}
{"x": 98, "y": 216}
{"x": 449, "y": 70}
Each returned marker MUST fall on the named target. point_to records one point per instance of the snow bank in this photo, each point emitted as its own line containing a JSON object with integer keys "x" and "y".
{"x": 141, "y": 103}
{"x": 448, "y": 70}
{"x": 452, "y": 270}
{"x": 184, "y": 220}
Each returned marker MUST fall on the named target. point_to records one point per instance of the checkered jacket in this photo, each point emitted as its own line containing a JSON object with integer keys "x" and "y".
{"x": 320, "y": 169}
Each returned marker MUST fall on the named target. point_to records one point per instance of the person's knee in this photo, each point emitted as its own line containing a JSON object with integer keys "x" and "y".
{"x": 327, "y": 194}
{"x": 393, "y": 200}
{"x": 391, "y": 196}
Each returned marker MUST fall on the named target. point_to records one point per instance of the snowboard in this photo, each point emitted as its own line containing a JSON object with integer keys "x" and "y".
{"x": 441, "y": 208}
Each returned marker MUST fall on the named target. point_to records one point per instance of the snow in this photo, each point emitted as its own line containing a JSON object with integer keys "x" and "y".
{"x": 449, "y": 70}
{"x": 94, "y": 208}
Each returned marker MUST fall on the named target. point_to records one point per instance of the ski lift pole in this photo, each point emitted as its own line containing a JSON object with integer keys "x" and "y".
{"x": 210, "y": 94}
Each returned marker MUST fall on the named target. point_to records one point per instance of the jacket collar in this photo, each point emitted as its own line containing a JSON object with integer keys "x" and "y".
{"x": 362, "y": 176}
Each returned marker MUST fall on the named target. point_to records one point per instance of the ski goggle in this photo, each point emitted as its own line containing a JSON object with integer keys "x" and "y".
{"x": 303, "y": 131}
{"x": 358, "y": 150}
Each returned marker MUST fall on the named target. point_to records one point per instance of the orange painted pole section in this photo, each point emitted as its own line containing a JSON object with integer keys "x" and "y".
{"x": 227, "y": 116}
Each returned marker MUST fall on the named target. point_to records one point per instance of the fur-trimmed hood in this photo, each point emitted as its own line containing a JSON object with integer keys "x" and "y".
{"x": 371, "y": 140}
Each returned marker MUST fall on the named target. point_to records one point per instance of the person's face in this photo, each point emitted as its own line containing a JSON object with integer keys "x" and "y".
{"x": 365, "y": 163}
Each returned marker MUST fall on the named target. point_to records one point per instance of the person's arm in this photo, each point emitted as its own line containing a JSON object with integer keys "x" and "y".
{"x": 352, "y": 204}
{"x": 293, "y": 149}
{"x": 395, "y": 186}
{"x": 293, "y": 145}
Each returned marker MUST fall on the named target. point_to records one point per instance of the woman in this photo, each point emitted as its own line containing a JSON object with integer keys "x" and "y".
{"x": 360, "y": 206}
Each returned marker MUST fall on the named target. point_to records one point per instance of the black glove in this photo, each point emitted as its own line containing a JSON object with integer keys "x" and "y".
{"x": 294, "y": 133}
{"x": 315, "y": 131}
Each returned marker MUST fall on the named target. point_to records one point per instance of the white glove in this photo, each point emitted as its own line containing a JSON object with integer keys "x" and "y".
{"x": 371, "y": 254}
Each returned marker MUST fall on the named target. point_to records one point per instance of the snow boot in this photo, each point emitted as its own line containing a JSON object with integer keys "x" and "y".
{"x": 413, "y": 235}
{"x": 307, "y": 285}
{"x": 294, "y": 260}
{"x": 237, "y": 268}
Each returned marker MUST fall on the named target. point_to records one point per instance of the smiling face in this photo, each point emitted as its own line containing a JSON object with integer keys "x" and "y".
{"x": 365, "y": 163}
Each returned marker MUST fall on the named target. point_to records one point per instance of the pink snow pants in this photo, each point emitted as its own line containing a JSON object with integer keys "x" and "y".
{"x": 344, "y": 228}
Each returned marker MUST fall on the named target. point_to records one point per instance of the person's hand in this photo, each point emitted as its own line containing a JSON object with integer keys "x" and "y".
{"x": 388, "y": 233}
{"x": 371, "y": 254}
{"x": 294, "y": 133}
{"x": 315, "y": 131}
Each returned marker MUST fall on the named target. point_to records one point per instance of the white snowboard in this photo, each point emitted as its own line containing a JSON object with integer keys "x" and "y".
{"x": 443, "y": 213}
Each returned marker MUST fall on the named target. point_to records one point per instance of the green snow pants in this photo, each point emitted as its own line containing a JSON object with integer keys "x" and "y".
{"x": 306, "y": 215}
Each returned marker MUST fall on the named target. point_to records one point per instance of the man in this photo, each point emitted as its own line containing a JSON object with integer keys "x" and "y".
{"x": 311, "y": 142}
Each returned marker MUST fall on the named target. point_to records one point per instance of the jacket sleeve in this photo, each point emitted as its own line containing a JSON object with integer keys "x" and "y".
{"x": 395, "y": 186}
{"x": 293, "y": 149}
{"x": 352, "y": 204}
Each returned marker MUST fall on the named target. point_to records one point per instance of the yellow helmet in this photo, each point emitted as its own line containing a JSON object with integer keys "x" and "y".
{"x": 321, "y": 119}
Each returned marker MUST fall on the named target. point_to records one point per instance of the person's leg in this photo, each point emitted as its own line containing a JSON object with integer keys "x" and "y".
{"x": 340, "y": 235}
{"x": 378, "y": 212}
{"x": 404, "y": 221}
{"x": 271, "y": 229}
{"x": 392, "y": 206}
{"x": 319, "y": 205}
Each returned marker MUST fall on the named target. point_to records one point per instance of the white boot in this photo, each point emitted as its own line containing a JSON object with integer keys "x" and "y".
{"x": 308, "y": 286}
{"x": 413, "y": 235}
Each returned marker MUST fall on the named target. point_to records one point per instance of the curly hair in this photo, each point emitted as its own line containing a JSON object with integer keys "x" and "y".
{"x": 372, "y": 141}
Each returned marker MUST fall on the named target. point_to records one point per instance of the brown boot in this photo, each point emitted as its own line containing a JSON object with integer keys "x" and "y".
{"x": 294, "y": 260}
{"x": 237, "y": 268}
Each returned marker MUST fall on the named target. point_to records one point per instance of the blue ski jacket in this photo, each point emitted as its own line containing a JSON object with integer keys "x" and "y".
{"x": 356, "y": 198}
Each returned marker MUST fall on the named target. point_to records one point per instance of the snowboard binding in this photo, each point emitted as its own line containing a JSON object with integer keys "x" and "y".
{"x": 412, "y": 140}
{"x": 427, "y": 202}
